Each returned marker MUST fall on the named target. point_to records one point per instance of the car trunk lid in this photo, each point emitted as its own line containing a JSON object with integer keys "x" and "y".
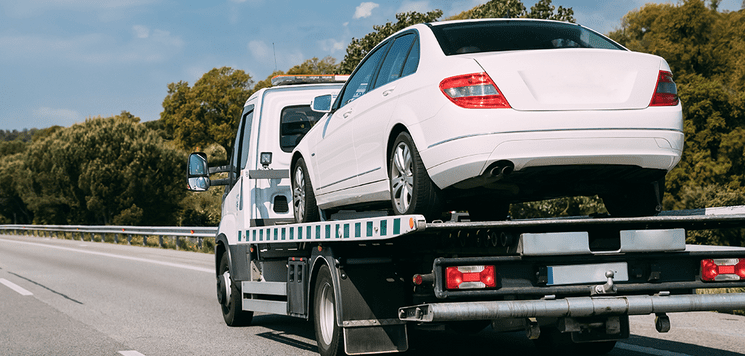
{"x": 573, "y": 79}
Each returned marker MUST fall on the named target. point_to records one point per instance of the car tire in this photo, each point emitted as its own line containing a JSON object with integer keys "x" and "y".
{"x": 229, "y": 295}
{"x": 412, "y": 191}
{"x": 303, "y": 199}
{"x": 636, "y": 200}
{"x": 328, "y": 333}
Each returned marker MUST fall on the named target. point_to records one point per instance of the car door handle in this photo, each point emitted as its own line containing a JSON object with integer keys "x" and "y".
{"x": 388, "y": 91}
{"x": 346, "y": 114}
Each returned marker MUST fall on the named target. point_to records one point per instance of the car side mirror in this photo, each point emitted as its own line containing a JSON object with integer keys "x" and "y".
{"x": 198, "y": 172}
{"x": 322, "y": 103}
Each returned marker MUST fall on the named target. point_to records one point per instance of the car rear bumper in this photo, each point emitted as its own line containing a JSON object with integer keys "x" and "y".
{"x": 462, "y": 158}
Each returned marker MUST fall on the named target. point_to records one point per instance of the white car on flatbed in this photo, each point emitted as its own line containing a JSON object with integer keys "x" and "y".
{"x": 474, "y": 115}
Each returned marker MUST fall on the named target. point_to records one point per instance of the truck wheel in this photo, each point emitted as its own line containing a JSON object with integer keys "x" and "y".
{"x": 637, "y": 200}
{"x": 554, "y": 342}
{"x": 303, "y": 199}
{"x": 328, "y": 333}
{"x": 229, "y": 296}
{"x": 412, "y": 191}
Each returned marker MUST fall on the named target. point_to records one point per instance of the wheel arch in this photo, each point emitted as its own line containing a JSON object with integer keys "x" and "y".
{"x": 395, "y": 131}
{"x": 221, "y": 248}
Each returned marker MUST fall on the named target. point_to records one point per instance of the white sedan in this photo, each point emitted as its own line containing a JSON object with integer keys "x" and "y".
{"x": 478, "y": 114}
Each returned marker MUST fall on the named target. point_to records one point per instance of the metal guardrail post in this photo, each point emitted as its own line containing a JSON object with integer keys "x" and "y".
{"x": 116, "y": 238}
{"x": 144, "y": 240}
{"x": 160, "y": 241}
{"x": 129, "y": 239}
{"x": 176, "y": 242}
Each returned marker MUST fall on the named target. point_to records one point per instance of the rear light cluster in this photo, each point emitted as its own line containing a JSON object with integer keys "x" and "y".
{"x": 724, "y": 269}
{"x": 474, "y": 91}
{"x": 470, "y": 277}
{"x": 665, "y": 93}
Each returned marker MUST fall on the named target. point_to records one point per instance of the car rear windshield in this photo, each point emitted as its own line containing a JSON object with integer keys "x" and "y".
{"x": 505, "y": 35}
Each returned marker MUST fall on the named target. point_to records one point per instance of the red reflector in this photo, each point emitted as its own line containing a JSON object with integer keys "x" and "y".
{"x": 724, "y": 269}
{"x": 470, "y": 277}
{"x": 474, "y": 91}
{"x": 665, "y": 93}
{"x": 418, "y": 279}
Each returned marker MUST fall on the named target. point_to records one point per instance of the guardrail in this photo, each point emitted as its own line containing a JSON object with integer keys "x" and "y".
{"x": 188, "y": 238}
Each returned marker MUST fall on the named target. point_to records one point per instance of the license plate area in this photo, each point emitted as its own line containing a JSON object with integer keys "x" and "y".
{"x": 588, "y": 273}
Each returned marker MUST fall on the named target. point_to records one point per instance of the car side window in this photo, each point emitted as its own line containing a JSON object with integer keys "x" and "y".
{"x": 393, "y": 64}
{"x": 412, "y": 61}
{"x": 295, "y": 122}
{"x": 361, "y": 81}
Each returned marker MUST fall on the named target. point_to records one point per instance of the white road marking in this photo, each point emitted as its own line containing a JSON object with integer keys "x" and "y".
{"x": 15, "y": 287}
{"x": 647, "y": 350}
{"x": 138, "y": 259}
{"x": 130, "y": 353}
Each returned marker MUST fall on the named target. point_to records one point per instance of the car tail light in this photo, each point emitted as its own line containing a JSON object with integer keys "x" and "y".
{"x": 665, "y": 93}
{"x": 474, "y": 91}
{"x": 724, "y": 269}
{"x": 470, "y": 277}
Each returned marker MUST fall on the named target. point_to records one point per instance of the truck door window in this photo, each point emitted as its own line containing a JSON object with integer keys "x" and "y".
{"x": 248, "y": 114}
{"x": 295, "y": 123}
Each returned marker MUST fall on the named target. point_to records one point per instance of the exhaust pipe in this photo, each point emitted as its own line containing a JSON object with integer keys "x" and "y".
{"x": 501, "y": 169}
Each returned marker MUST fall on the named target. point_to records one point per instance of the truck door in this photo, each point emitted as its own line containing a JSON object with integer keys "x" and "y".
{"x": 233, "y": 212}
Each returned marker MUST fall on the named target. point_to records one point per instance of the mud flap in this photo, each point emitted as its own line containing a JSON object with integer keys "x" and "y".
{"x": 371, "y": 295}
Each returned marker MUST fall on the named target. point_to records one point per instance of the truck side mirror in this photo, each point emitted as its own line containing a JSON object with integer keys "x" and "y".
{"x": 198, "y": 172}
{"x": 322, "y": 103}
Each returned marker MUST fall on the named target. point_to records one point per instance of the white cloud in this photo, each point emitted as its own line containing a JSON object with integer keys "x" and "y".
{"x": 332, "y": 45}
{"x": 100, "y": 49}
{"x": 364, "y": 10}
{"x": 418, "y": 6}
{"x": 58, "y": 115}
{"x": 141, "y": 31}
{"x": 259, "y": 50}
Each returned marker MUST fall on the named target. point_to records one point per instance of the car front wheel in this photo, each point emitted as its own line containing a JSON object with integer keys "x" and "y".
{"x": 412, "y": 191}
{"x": 303, "y": 199}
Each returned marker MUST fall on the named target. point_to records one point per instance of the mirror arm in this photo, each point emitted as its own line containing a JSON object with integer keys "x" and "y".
{"x": 225, "y": 181}
{"x": 220, "y": 169}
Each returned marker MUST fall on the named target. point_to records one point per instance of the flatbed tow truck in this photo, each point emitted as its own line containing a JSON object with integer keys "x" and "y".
{"x": 366, "y": 280}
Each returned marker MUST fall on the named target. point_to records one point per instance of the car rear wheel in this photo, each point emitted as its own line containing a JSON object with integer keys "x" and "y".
{"x": 412, "y": 191}
{"x": 636, "y": 200}
{"x": 303, "y": 199}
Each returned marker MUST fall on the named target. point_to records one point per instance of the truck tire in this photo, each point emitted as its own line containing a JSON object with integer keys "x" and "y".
{"x": 303, "y": 199}
{"x": 229, "y": 296}
{"x": 412, "y": 191}
{"x": 328, "y": 333}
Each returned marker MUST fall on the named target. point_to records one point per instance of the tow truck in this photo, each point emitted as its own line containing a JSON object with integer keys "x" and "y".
{"x": 367, "y": 278}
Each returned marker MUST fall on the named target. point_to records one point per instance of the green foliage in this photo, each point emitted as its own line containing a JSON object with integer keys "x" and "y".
{"x": 327, "y": 65}
{"x": 570, "y": 206}
{"x": 359, "y": 47}
{"x": 712, "y": 196}
{"x": 15, "y": 135}
{"x": 104, "y": 171}
{"x": 515, "y": 9}
{"x": 209, "y": 111}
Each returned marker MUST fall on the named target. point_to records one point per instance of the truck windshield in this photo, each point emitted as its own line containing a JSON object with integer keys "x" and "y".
{"x": 516, "y": 35}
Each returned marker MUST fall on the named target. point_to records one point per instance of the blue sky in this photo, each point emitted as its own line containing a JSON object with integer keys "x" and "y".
{"x": 62, "y": 61}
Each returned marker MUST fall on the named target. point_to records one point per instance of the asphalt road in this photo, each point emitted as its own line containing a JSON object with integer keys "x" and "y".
{"x": 63, "y": 297}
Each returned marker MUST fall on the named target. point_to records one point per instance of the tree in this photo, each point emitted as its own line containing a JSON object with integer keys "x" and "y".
{"x": 516, "y": 9}
{"x": 106, "y": 171}
{"x": 327, "y": 65}
{"x": 208, "y": 112}
{"x": 359, "y": 47}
